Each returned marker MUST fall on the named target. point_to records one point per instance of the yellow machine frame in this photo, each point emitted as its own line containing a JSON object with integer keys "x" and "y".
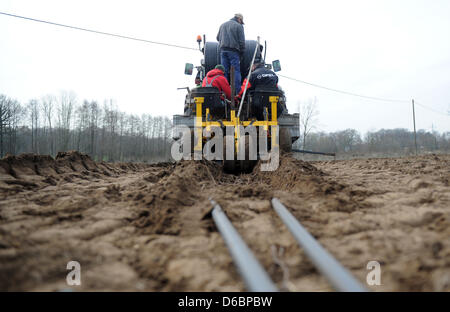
{"x": 233, "y": 122}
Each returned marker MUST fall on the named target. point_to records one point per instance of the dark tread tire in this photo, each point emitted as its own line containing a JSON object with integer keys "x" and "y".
{"x": 285, "y": 140}
{"x": 212, "y": 56}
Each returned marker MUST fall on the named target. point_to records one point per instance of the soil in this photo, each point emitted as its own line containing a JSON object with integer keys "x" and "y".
{"x": 140, "y": 227}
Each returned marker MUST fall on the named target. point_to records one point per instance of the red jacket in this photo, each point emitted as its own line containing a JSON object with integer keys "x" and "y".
{"x": 220, "y": 82}
{"x": 243, "y": 87}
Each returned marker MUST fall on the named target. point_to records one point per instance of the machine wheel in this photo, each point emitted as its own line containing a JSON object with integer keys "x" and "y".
{"x": 246, "y": 166}
{"x": 212, "y": 55}
{"x": 246, "y": 59}
{"x": 239, "y": 166}
{"x": 285, "y": 140}
{"x": 229, "y": 166}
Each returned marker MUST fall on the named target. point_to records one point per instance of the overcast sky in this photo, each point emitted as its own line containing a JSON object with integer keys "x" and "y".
{"x": 390, "y": 49}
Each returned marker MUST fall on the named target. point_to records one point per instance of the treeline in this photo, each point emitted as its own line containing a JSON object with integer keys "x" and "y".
{"x": 53, "y": 124}
{"x": 384, "y": 141}
{"x": 60, "y": 123}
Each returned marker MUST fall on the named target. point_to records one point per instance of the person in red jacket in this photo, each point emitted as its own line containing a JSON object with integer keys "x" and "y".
{"x": 216, "y": 78}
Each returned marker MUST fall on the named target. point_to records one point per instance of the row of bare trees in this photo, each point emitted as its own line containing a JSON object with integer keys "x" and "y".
{"x": 384, "y": 141}
{"x": 350, "y": 141}
{"x": 60, "y": 123}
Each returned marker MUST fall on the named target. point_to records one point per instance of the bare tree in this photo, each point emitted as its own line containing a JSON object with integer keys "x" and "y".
{"x": 33, "y": 109}
{"x": 82, "y": 124}
{"x": 60, "y": 124}
{"x": 5, "y": 116}
{"x": 94, "y": 115}
{"x": 67, "y": 100}
{"x": 122, "y": 125}
{"x": 111, "y": 117}
{"x": 47, "y": 103}
{"x": 308, "y": 118}
{"x": 347, "y": 139}
{"x": 17, "y": 116}
{"x": 54, "y": 124}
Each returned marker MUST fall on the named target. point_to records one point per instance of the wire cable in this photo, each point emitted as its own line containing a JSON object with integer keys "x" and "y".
{"x": 364, "y": 96}
{"x": 344, "y": 92}
{"x": 431, "y": 109}
{"x": 98, "y": 32}
{"x": 195, "y": 49}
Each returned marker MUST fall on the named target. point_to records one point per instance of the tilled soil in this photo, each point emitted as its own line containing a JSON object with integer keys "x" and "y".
{"x": 137, "y": 227}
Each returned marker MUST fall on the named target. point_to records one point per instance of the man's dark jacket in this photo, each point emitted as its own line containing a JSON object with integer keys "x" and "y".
{"x": 231, "y": 36}
{"x": 261, "y": 77}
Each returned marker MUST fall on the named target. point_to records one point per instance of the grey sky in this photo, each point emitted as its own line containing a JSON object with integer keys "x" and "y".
{"x": 390, "y": 49}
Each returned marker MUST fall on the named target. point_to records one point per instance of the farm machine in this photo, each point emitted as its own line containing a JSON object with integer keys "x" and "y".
{"x": 263, "y": 109}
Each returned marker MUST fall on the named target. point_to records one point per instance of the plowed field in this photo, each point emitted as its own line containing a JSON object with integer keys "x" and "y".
{"x": 137, "y": 227}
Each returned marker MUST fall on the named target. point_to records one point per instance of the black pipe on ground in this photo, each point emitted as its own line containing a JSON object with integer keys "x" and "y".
{"x": 310, "y": 152}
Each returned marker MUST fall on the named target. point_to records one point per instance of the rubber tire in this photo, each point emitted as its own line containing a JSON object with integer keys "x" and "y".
{"x": 212, "y": 55}
{"x": 247, "y": 165}
{"x": 285, "y": 140}
{"x": 239, "y": 166}
{"x": 246, "y": 58}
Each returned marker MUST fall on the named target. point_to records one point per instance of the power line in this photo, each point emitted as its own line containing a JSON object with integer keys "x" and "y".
{"x": 431, "y": 109}
{"x": 195, "y": 49}
{"x": 364, "y": 96}
{"x": 344, "y": 92}
{"x": 98, "y": 32}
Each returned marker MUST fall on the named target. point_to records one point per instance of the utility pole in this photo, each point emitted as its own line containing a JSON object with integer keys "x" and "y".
{"x": 414, "y": 121}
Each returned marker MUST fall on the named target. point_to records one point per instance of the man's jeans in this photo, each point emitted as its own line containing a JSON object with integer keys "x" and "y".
{"x": 231, "y": 58}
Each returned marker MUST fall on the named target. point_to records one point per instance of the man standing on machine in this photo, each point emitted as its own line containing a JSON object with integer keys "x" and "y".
{"x": 231, "y": 40}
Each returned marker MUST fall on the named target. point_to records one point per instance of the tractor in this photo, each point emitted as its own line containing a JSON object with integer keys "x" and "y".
{"x": 262, "y": 108}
